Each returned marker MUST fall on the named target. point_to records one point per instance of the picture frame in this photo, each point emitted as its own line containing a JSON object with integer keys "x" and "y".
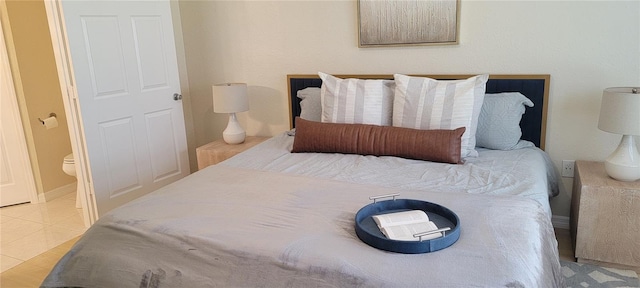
{"x": 408, "y": 22}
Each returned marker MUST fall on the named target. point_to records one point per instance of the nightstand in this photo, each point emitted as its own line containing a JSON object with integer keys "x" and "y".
{"x": 605, "y": 217}
{"x": 218, "y": 151}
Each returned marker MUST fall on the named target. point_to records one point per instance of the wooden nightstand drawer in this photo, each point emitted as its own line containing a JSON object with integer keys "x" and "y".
{"x": 218, "y": 151}
{"x": 605, "y": 217}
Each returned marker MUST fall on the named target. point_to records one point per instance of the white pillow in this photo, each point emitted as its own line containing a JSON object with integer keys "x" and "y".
{"x": 356, "y": 101}
{"x": 425, "y": 103}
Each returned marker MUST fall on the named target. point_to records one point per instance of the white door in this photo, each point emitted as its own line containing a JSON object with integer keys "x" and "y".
{"x": 125, "y": 67}
{"x": 16, "y": 178}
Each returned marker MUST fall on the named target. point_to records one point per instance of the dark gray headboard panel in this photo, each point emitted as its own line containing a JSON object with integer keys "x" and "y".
{"x": 535, "y": 87}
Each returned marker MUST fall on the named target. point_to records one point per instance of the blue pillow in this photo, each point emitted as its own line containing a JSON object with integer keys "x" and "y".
{"x": 310, "y": 106}
{"x": 499, "y": 121}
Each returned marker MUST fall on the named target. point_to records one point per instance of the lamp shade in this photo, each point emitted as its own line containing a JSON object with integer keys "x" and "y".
{"x": 620, "y": 114}
{"x": 230, "y": 98}
{"x": 620, "y": 111}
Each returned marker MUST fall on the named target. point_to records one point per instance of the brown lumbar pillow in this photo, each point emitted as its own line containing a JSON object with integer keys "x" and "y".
{"x": 431, "y": 145}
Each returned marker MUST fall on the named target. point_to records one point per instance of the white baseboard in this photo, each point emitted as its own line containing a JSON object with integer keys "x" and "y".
{"x": 57, "y": 193}
{"x": 561, "y": 222}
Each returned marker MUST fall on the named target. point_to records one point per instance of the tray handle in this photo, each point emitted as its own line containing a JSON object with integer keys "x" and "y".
{"x": 419, "y": 235}
{"x": 374, "y": 198}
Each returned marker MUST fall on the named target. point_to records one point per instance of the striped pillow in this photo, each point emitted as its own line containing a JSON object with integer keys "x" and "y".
{"x": 425, "y": 103}
{"x": 356, "y": 101}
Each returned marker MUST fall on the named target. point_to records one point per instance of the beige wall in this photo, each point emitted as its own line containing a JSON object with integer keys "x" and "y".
{"x": 586, "y": 46}
{"x": 36, "y": 81}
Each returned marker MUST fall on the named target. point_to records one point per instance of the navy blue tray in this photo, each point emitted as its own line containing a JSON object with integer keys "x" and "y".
{"x": 369, "y": 233}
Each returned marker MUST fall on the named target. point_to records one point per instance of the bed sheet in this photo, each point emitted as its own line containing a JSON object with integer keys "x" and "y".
{"x": 236, "y": 227}
{"x": 526, "y": 172}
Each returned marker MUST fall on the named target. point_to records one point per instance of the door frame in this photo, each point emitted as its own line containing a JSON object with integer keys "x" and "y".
{"x": 64, "y": 66}
{"x": 22, "y": 150}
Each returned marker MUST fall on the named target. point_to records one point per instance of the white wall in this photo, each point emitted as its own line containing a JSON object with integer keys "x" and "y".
{"x": 585, "y": 46}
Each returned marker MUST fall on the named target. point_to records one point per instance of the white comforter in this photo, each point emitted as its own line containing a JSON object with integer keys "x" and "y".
{"x": 236, "y": 227}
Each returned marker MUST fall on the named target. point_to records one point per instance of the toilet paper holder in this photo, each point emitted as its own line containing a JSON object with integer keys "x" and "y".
{"x": 50, "y": 115}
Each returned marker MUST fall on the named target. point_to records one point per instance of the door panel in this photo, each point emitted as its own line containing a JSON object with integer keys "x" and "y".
{"x": 118, "y": 146}
{"x": 6, "y": 177}
{"x": 126, "y": 73}
{"x": 104, "y": 56}
{"x": 150, "y": 55}
{"x": 161, "y": 142}
{"x": 10, "y": 185}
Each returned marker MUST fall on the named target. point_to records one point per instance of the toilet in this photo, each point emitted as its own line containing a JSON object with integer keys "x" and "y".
{"x": 69, "y": 167}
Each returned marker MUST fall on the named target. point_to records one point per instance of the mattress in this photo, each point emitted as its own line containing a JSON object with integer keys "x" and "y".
{"x": 228, "y": 226}
{"x": 271, "y": 218}
{"x": 526, "y": 172}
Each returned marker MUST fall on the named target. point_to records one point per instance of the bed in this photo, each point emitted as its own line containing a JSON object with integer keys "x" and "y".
{"x": 272, "y": 218}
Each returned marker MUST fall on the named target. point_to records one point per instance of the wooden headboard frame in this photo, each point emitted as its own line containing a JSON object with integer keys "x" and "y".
{"x": 534, "y": 87}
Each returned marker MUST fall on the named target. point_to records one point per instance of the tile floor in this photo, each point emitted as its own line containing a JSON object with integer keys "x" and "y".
{"x": 28, "y": 230}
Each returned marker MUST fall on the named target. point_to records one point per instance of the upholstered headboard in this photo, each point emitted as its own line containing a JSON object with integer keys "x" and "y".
{"x": 534, "y": 87}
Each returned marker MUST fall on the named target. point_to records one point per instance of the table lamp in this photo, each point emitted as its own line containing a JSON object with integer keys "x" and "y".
{"x": 231, "y": 98}
{"x": 620, "y": 114}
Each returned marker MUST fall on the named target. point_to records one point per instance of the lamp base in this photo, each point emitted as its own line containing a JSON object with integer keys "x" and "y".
{"x": 624, "y": 163}
{"x": 233, "y": 134}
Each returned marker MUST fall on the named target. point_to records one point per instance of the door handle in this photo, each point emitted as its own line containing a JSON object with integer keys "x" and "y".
{"x": 177, "y": 96}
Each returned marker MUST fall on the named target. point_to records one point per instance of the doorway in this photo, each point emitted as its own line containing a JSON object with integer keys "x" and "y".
{"x": 37, "y": 94}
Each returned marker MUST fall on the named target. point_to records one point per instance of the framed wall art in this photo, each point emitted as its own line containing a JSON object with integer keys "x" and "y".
{"x": 408, "y": 22}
